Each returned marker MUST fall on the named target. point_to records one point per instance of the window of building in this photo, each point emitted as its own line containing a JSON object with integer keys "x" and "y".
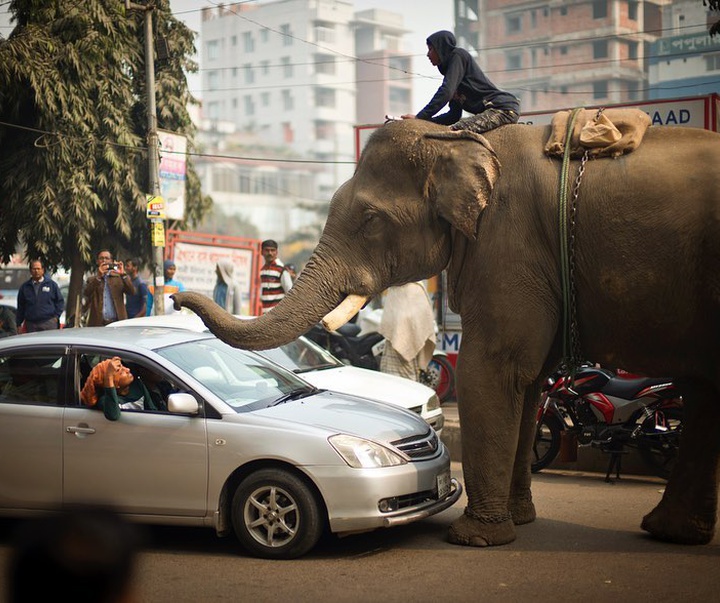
{"x": 224, "y": 179}
{"x": 399, "y": 63}
{"x": 287, "y": 100}
{"x": 287, "y": 67}
{"x": 600, "y": 90}
{"x": 513, "y": 60}
{"x": 324, "y": 97}
{"x": 264, "y": 35}
{"x": 324, "y": 32}
{"x": 533, "y": 19}
{"x": 287, "y": 36}
{"x": 633, "y": 10}
{"x": 233, "y": 41}
{"x": 264, "y": 67}
{"x": 248, "y": 42}
{"x": 288, "y": 134}
{"x": 249, "y": 73}
{"x": 214, "y": 110}
{"x": 563, "y": 50}
{"x": 265, "y": 99}
{"x": 563, "y": 11}
{"x": 213, "y": 50}
{"x": 600, "y": 10}
{"x": 213, "y": 79}
{"x": 324, "y": 130}
{"x": 234, "y": 72}
{"x": 390, "y": 42}
{"x": 633, "y": 50}
{"x": 234, "y": 103}
{"x": 513, "y": 24}
{"x": 712, "y": 63}
{"x": 325, "y": 63}
{"x": 399, "y": 99}
{"x": 600, "y": 49}
{"x": 249, "y": 105}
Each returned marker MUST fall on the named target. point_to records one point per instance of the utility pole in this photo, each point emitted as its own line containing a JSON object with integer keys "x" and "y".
{"x": 157, "y": 227}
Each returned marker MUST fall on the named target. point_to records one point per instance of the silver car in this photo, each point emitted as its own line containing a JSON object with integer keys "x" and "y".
{"x": 317, "y": 366}
{"x": 239, "y": 443}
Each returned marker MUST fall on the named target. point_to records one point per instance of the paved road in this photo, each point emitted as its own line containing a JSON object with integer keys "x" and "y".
{"x": 586, "y": 545}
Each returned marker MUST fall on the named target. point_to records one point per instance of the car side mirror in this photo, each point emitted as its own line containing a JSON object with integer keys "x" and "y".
{"x": 183, "y": 404}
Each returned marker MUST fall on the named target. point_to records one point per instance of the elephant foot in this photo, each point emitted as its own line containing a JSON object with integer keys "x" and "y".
{"x": 471, "y": 530}
{"x": 678, "y": 527}
{"x": 522, "y": 511}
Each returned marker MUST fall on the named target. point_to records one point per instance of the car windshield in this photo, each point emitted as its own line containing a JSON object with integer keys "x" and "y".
{"x": 243, "y": 380}
{"x": 302, "y": 356}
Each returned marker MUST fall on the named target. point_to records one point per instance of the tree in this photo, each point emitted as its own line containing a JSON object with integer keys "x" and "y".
{"x": 713, "y": 5}
{"x": 73, "y": 129}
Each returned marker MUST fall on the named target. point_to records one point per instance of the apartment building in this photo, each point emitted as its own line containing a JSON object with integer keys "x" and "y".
{"x": 290, "y": 79}
{"x": 685, "y": 61}
{"x": 384, "y": 67}
{"x": 561, "y": 53}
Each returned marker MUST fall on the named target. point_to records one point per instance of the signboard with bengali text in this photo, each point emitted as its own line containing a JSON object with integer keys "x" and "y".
{"x": 196, "y": 268}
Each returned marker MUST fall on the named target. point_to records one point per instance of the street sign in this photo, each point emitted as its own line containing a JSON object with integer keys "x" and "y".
{"x": 158, "y": 234}
{"x": 155, "y": 208}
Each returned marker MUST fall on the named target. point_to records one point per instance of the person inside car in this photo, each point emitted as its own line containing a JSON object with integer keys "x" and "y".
{"x": 111, "y": 387}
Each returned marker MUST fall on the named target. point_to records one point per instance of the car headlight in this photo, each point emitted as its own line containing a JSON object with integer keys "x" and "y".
{"x": 360, "y": 453}
{"x": 433, "y": 402}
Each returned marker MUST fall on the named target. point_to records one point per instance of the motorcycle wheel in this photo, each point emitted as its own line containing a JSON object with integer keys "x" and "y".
{"x": 546, "y": 446}
{"x": 659, "y": 449}
{"x": 440, "y": 376}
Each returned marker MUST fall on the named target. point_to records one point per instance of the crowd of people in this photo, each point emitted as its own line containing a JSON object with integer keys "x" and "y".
{"x": 116, "y": 291}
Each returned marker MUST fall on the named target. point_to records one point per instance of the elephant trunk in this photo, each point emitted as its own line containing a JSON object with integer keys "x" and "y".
{"x": 312, "y": 297}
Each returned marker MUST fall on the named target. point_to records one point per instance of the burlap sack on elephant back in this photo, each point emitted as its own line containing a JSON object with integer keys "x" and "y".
{"x": 612, "y": 133}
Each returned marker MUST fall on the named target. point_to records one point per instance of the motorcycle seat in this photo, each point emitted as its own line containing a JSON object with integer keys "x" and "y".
{"x": 630, "y": 388}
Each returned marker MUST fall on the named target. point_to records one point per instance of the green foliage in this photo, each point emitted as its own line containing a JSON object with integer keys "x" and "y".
{"x": 73, "y": 167}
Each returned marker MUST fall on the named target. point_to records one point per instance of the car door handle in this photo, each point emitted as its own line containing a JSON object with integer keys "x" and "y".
{"x": 81, "y": 429}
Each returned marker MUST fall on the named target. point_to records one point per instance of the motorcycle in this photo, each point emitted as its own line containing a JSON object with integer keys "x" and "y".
{"x": 611, "y": 412}
{"x": 351, "y": 345}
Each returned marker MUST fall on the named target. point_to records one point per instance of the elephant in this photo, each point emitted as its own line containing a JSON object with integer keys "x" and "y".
{"x": 646, "y": 268}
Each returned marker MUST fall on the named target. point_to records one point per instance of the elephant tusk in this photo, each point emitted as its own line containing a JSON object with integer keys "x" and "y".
{"x": 350, "y": 306}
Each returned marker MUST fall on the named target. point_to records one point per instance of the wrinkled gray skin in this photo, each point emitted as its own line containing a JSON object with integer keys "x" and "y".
{"x": 648, "y": 287}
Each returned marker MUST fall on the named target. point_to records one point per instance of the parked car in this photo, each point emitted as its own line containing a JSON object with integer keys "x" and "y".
{"x": 317, "y": 366}
{"x": 241, "y": 445}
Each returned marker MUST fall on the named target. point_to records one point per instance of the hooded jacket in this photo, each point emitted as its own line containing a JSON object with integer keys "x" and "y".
{"x": 464, "y": 87}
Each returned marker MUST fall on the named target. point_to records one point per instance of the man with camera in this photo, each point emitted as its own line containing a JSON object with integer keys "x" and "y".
{"x": 104, "y": 291}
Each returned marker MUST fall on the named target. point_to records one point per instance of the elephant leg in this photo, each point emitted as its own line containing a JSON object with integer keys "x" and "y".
{"x": 687, "y": 512}
{"x": 521, "y": 504}
{"x": 489, "y": 423}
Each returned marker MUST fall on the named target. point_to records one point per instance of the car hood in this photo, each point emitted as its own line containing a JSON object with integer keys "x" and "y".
{"x": 341, "y": 413}
{"x": 371, "y": 384}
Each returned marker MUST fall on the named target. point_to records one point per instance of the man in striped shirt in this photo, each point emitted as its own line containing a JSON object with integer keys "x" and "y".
{"x": 275, "y": 281}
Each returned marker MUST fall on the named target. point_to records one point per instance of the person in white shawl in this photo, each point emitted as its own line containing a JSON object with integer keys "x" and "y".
{"x": 408, "y": 326}
{"x": 227, "y": 293}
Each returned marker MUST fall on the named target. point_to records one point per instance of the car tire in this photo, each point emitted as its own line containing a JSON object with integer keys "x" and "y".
{"x": 276, "y": 515}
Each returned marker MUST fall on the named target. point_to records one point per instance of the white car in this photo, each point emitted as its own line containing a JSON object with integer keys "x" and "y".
{"x": 320, "y": 368}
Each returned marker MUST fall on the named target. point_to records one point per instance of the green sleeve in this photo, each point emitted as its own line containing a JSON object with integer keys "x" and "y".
{"x": 109, "y": 403}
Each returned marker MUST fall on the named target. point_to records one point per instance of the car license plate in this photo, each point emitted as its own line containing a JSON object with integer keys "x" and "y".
{"x": 443, "y": 484}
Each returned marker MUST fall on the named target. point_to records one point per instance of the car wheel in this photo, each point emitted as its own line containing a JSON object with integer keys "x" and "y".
{"x": 276, "y": 515}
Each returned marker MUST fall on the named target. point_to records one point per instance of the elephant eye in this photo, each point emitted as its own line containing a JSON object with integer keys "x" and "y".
{"x": 371, "y": 223}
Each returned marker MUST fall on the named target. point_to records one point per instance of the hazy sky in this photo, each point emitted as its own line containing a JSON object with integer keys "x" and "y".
{"x": 420, "y": 16}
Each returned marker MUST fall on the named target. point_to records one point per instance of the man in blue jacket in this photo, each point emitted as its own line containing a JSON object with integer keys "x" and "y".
{"x": 39, "y": 302}
{"x": 465, "y": 88}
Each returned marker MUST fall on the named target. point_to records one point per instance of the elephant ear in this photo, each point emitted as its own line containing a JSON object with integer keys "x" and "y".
{"x": 461, "y": 178}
